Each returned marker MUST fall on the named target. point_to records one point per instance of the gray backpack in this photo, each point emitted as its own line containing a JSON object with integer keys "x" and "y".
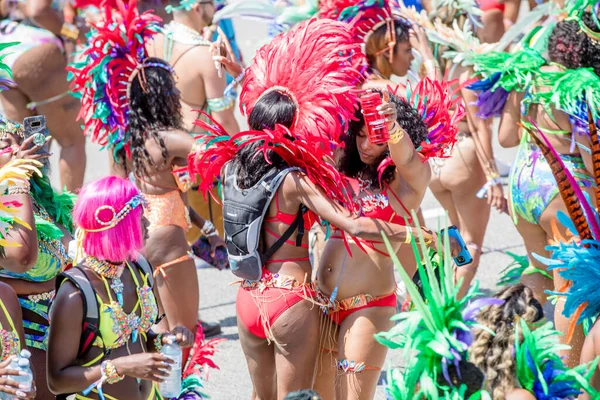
{"x": 243, "y": 213}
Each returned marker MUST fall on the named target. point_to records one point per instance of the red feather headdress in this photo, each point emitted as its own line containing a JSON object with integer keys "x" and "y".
{"x": 318, "y": 65}
{"x": 364, "y": 16}
{"x": 441, "y": 108}
{"x": 112, "y": 59}
{"x": 315, "y": 64}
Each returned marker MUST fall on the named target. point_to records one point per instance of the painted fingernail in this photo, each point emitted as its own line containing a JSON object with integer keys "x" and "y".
{"x": 20, "y": 394}
{"x": 23, "y": 386}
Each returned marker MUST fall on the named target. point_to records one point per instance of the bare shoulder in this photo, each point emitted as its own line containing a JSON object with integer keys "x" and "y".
{"x": 9, "y": 297}
{"x": 67, "y": 296}
{"x": 519, "y": 394}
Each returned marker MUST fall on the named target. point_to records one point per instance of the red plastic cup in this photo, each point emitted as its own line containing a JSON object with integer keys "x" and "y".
{"x": 377, "y": 130}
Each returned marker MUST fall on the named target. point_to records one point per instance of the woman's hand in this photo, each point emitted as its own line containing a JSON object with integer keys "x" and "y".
{"x": 148, "y": 366}
{"x": 29, "y": 150}
{"x": 495, "y": 198}
{"x": 417, "y": 38}
{"x": 223, "y": 54}
{"x": 215, "y": 242}
{"x": 388, "y": 110}
{"x": 432, "y": 241}
{"x": 183, "y": 336}
{"x": 11, "y": 387}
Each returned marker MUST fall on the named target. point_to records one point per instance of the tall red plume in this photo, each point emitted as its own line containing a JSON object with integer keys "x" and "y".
{"x": 201, "y": 356}
{"x": 318, "y": 64}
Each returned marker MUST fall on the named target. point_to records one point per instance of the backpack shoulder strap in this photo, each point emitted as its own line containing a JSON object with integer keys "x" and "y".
{"x": 143, "y": 265}
{"x": 91, "y": 308}
{"x": 298, "y": 222}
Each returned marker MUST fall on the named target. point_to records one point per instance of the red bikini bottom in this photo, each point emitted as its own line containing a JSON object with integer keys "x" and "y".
{"x": 259, "y": 304}
{"x": 344, "y": 308}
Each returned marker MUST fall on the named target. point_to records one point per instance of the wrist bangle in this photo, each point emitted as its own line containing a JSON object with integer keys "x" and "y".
{"x": 397, "y": 134}
{"x": 69, "y": 32}
{"x": 409, "y": 235}
{"x": 427, "y": 238}
{"x": 22, "y": 187}
{"x": 208, "y": 229}
{"x": 109, "y": 371}
{"x": 158, "y": 342}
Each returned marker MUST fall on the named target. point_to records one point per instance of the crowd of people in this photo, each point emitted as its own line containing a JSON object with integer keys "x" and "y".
{"x": 352, "y": 110}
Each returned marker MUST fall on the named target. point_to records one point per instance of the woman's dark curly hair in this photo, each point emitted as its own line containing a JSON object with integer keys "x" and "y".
{"x": 274, "y": 108}
{"x": 350, "y": 163}
{"x": 154, "y": 108}
{"x": 572, "y": 48}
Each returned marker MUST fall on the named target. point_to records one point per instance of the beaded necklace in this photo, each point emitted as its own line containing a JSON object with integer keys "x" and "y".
{"x": 177, "y": 32}
{"x": 372, "y": 200}
{"x": 110, "y": 271}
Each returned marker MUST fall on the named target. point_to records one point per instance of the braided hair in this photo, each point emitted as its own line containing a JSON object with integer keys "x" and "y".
{"x": 493, "y": 354}
{"x": 572, "y": 48}
{"x": 154, "y": 107}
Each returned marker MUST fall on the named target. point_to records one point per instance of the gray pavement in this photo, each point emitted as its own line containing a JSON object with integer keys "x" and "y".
{"x": 218, "y": 298}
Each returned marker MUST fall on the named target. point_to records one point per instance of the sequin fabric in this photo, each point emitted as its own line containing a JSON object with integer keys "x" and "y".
{"x": 126, "y": 326}
{"x": 166, "y": 210}
{"x": 52, "y": 258}
{"x": 533, "y": 186}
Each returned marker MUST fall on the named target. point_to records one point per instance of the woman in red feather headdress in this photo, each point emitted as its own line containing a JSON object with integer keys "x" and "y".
{"x": 298, "y": 97}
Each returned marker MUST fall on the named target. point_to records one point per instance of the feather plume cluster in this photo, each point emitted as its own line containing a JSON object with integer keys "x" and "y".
{"x": 437, "y": 332}
{"x": 441, "y": 108}
{"x": 319, "y": 65}
{"x": 541, "y": 371}
{"x": 5, "y": 83}
{"x": 364, "y": 16}
{"x": 115, "y": 49}
{"x": 13, "y": 172}
{"x": 317, "y": 62}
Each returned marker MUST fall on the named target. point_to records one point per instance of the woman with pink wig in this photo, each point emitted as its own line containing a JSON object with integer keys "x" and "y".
{"x": 120, "y": 358}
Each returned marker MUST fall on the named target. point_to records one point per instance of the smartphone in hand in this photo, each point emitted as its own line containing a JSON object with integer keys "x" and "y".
{"x": 464, "y": 257}
{"x": 36, "y": 125}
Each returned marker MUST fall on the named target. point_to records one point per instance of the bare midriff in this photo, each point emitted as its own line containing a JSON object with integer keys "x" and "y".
{"x": 367, "y": 272}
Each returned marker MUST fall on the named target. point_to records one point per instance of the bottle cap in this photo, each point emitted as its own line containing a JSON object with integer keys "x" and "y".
{"x": 171, "y": 338}
{"x": 23, "y": 363}
{"x": 25, "y": 353}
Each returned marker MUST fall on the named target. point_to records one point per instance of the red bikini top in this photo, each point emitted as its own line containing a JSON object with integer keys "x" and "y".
{"x": 288, "y": 219}
{"x": 377, "y": 205}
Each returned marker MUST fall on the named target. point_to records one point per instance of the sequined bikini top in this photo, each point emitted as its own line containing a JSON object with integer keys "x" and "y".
{"x": 116, "y": 326}
{"x": 10, "y": 339}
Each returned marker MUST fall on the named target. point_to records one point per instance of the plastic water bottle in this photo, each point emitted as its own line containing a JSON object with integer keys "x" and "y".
{"x": 27, "y": 379}
{"x": 171, "y": 386}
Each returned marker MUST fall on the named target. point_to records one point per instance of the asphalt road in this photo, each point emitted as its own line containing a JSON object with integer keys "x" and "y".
{"x": 218, "y": 298}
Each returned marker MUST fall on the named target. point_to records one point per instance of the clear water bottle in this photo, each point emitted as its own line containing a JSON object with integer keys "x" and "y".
{"x": 171, "y": 386}
{"x": 27, "y": 378}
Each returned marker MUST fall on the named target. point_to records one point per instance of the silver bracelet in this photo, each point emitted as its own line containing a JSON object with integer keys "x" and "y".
{"x": 208, "y": 229}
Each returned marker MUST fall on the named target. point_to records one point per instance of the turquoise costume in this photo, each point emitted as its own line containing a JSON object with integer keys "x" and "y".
{"x": 52, "y": 259}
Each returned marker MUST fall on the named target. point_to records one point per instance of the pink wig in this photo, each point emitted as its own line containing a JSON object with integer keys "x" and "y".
{"x": 121, "y": 242}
